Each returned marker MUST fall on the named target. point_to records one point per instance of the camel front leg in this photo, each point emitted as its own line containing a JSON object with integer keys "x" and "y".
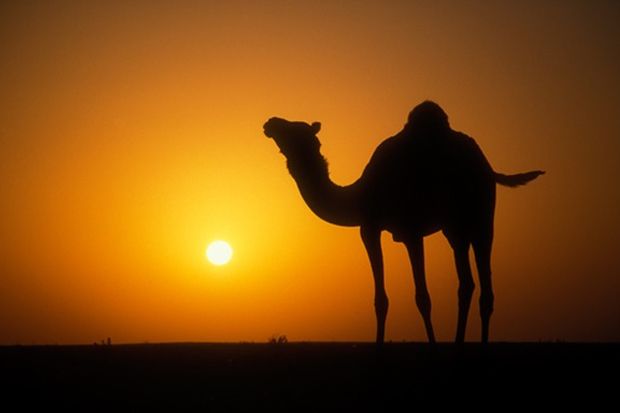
{"x": 371, "y": 237}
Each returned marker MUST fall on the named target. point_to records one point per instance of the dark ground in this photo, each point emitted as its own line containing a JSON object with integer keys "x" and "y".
{"x": 310, "y": 376}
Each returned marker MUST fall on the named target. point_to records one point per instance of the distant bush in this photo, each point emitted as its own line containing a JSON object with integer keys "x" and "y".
{"x": 278, "y": 339}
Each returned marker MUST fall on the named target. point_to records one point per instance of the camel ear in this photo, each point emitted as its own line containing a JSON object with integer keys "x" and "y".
{"x": 316, "y": 127}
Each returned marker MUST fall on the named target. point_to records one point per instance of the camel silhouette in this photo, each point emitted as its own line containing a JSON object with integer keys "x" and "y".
{"x": 426, "y": 178}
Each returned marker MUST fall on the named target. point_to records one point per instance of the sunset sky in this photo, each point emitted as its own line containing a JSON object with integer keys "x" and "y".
{"x": 131, "y": 137}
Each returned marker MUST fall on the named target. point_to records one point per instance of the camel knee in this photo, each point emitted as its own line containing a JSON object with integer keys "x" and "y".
{"x": 486, "y": 304}
{"x": 466, "y": 290}
{"x": 381, "y": 306}
{"x": 423, "y": 301}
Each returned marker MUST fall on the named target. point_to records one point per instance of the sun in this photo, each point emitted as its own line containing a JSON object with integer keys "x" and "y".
{"x": 219, "y": 252}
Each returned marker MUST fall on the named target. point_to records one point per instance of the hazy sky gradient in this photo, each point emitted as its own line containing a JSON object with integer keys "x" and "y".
{"x": 131, "y": 136}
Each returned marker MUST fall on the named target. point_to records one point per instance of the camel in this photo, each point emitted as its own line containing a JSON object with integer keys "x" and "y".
{"x": 426, "y": 178}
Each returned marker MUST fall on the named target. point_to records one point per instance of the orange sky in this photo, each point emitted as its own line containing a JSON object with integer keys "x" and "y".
{"x": 131, "y": 136}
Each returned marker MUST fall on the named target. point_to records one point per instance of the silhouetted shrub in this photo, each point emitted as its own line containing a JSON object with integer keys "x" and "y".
{"x": 278, "y": 339}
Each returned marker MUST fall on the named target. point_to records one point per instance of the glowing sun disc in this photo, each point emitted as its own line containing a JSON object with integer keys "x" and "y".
{"x": 219, "y": 252}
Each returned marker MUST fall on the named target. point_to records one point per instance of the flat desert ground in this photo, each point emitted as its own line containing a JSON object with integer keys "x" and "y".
{"x": 310, "y": 376}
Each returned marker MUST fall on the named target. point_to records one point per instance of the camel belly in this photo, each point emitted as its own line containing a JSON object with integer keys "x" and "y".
{"x": 429, "y": 200}
{"x": 408, "y": 218}
{"x": 404, "y": 230}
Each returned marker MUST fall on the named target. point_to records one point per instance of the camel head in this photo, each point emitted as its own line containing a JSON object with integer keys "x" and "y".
{"x": 295, "y": 139}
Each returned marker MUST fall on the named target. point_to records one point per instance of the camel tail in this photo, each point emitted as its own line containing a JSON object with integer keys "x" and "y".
{"x": 516, "y": 180}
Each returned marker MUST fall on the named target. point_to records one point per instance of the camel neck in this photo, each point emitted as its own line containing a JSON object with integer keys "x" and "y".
{"x": 333, "y": 203}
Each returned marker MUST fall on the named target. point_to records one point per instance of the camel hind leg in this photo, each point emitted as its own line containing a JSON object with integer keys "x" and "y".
{"x": 460, "y": 243}
{"x": 482, "y": 252}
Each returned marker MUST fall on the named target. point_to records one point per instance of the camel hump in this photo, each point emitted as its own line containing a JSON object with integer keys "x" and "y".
{"x": 455, "y": 148}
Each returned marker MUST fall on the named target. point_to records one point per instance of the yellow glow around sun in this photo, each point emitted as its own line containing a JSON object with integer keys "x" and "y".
{"x": 219, "y": 252}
